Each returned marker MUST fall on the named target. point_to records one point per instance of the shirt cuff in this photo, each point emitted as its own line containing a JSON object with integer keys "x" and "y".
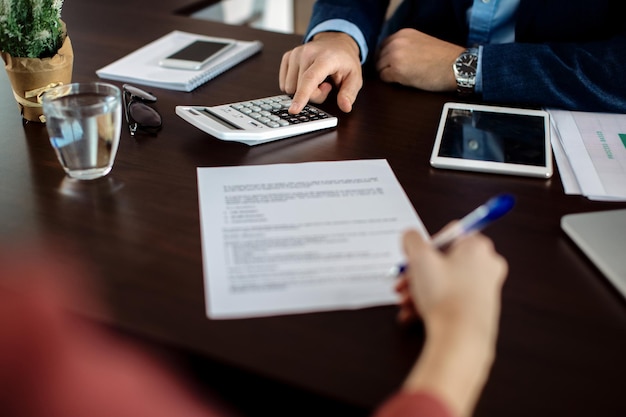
{"x": 340, "y": 25}
{"x": 478, "y": 86}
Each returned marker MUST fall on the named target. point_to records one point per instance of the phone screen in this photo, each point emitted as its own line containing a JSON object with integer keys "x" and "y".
{"x": 497, "y": 137}
{"x": 199, "y": 51}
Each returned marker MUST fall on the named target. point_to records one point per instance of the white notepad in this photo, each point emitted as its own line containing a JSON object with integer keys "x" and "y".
{"x": 142, "y": 66}
{"x": 601, "y": 235}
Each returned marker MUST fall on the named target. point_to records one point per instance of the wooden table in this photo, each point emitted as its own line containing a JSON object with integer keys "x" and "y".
{"x": 562, "y": 345}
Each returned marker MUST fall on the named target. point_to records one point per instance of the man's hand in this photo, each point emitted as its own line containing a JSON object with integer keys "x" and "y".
{"x": 414, "y": 59}
{"x": 305, "y": 69}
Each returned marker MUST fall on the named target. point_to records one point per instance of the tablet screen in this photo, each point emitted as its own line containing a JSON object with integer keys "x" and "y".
{"x": 494, "y": 136}
{"x": 494, "y": 139}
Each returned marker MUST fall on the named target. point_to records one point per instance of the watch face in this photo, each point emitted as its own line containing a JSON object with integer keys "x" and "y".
{"x": 465, "y": 65}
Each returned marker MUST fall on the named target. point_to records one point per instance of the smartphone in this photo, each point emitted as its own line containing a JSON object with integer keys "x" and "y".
{"x": 195, "y": 55}
{"x": 501, "y": 140}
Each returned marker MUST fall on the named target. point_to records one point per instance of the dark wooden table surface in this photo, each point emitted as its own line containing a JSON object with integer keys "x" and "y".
{"x": 562, "y": 346}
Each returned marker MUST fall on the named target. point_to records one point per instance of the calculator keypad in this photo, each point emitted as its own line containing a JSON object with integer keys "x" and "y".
{"x": 273, "y": 111}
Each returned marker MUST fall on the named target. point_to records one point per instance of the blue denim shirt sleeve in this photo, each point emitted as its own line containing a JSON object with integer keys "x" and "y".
{"x": 340, "y": 25}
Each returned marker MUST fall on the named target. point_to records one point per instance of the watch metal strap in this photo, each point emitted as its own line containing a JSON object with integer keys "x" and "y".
{"x": 466, "y": 86}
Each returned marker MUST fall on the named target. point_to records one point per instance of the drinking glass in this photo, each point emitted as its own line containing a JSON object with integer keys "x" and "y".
{"x": 84, "y": 121}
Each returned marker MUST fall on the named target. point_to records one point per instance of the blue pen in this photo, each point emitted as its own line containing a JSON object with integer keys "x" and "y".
{"x": 477, "y": 220}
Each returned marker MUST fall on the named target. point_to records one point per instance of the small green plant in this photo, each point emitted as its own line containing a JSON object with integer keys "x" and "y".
{"x": 31, "y": 28}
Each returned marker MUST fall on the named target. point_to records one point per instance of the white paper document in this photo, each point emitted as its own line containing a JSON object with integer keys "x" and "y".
{"x": 295, "y": 238}
{"x": 591, "y": 153}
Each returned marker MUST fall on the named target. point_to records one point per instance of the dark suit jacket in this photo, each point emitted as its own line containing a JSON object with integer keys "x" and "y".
{"x": 568, "y": 53}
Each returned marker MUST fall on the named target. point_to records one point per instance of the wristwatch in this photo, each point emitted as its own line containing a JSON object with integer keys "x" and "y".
{"x": 465, "y": 71}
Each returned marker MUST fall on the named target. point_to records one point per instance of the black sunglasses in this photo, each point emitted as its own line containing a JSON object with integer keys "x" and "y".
{"x": 139, "y": 115}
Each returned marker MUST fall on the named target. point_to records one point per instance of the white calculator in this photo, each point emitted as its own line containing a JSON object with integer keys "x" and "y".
{"x": 256, "y": 121}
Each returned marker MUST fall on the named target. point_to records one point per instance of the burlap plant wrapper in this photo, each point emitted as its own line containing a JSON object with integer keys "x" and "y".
{"x": 31, "y": 77}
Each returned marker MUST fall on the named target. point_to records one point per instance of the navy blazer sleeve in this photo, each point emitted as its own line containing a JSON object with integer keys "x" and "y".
{"x": 367, "y": 15}
{"x": 566, "y": 57}
{"x": 585, "y": 77}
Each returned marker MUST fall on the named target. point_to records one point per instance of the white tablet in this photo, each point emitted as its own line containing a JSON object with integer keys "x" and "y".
{"x": 503, "y": 140}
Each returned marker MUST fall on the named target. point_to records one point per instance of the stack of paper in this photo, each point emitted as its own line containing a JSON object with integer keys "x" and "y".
{"x": 590, "y": 151}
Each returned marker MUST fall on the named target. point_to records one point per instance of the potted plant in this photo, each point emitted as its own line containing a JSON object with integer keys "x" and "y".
{"x": 36, "y": 51}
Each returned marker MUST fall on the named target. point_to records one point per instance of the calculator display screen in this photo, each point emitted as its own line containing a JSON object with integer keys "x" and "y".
{"x": 492, "y": 136}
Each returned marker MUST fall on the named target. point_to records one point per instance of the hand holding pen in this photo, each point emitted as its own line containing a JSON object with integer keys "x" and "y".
{"x": 465, "y": 272}
{"x": 475, "y": 221}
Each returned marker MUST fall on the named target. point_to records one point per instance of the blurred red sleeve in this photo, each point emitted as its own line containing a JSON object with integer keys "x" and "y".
{"x": 56, "y": 363}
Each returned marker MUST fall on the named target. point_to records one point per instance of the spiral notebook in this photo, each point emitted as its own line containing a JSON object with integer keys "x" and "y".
{"x": 142, "y": 66}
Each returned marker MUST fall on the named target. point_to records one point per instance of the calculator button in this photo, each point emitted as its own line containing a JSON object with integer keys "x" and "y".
{"x": 272, "y": 111}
